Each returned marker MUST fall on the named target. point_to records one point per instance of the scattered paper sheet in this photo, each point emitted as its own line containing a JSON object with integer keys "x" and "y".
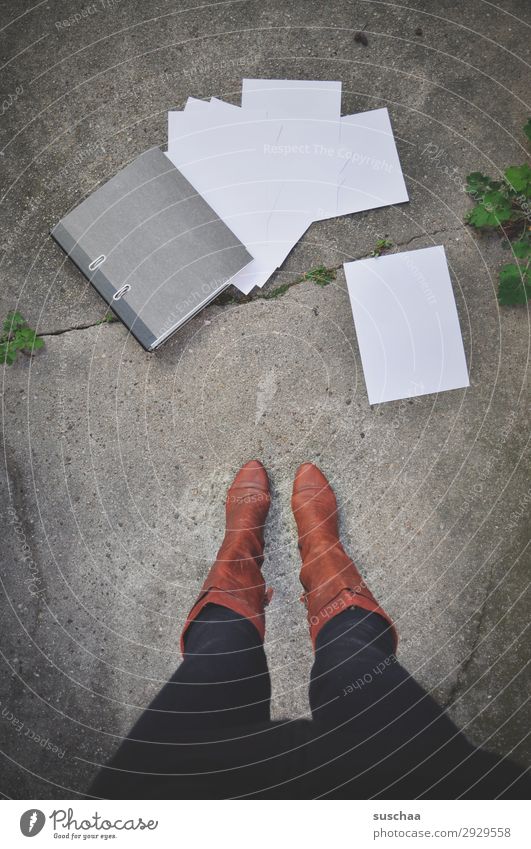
{"x": 305, "y": 154}
{"x": 407, "y": 324}
{"x": 281, "y": 161}
{"x": 259, "y": 272}
{"x": 224, "y": 152}
{"x": 223, "y": 157}
{"x": 338, "y": 165}
{"x": 194, "y": 103}
{"x": 293, "y": 98}
{"x": 370, "y": 174}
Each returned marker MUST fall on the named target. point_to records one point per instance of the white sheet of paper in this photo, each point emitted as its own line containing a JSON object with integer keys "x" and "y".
{"x": 194, "y": 103}
{"x": 293, "y": 98}
{"x": 236, "y": 110}
{"x": 256, "y": 273}
{"x": 297, "y": 191}
{"x": 305, "y": 168}
{"x": 359, "y": 155}
{"x": 223, "y": 156}
{"x": 222, "y": 151}
{"x": 370, "y": 174}
{"x": 407, "y": 324}
{"x": 304, "y": 157}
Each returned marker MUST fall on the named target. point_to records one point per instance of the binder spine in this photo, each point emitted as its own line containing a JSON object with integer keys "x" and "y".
{"x": 93, "y": 270}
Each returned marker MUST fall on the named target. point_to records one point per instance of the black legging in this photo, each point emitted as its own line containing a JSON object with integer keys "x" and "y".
{"x": 223, "y": 680}
{"x": 373, "y": 728}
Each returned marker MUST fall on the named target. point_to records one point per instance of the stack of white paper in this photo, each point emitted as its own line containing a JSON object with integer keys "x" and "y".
{"x": 282, "y": 160}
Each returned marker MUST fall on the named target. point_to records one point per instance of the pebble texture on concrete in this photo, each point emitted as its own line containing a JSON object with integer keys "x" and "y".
{"x": 116, "y": 462}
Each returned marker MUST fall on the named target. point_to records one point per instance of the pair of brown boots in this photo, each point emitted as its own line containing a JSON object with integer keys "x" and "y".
{"x": 330, "y": 579}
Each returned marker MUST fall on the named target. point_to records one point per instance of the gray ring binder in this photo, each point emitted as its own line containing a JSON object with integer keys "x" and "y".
{"x": 152, "y": 247}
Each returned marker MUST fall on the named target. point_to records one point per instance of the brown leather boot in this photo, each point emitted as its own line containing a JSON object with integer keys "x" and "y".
{"x": 235, "y": 580}
{"x": 329, "y": 577}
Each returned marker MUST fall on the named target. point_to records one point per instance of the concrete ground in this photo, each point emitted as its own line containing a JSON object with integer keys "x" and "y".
{"x": 115, "y": 461}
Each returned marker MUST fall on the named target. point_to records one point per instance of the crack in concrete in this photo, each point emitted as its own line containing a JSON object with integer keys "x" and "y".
{"x": 268, "y": 294}
{"x": 76, "y": 327}
{"x": 462, "y": 228}
{"x": 260, "y": 295}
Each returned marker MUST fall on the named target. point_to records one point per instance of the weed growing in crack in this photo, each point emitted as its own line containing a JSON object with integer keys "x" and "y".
{"x": 320, "y": 275}
{"x": 108, "y": 318}
{"x": 17, "y": 337}
{"x": 381, "y": 246}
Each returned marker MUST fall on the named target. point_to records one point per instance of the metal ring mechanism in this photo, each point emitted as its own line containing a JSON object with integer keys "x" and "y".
{"x": 121, "y": 292}
{"x": 97, "y": 262}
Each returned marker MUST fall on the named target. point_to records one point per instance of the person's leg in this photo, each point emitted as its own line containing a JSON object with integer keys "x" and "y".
{"x": 360, "y": 695}
{"x": 223, "y": 680}
{"x": 357, "y": 681}
{"x": 381, "y": 734}
{"x": 331, "y": 581}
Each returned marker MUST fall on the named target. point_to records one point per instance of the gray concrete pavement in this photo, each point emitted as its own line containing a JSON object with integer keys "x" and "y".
{"x": 115, "y": 461}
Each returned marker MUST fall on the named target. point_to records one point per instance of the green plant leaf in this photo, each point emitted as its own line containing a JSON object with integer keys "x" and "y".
{"x": 17, "y": 343}
{"x": 108, "y": 318}
{"x": 321, "y": 275}
{"x": 497, "y": 203}
{"x": 521, "y": 248}
{"x": 519, "y": 177}
{"x": 18, "y": 336}
{"x": 503, "y": 205}
{"x": 7, "y": 353}
{"x": 494, "y": 209}
{"x": 514, "y": 287}
{"x": 477, "y": 183}
{"x": 479, "y": 217}
{"x": 13, "y": 321}
{"x": 381, "y": 246}
{"x": 277, "y": 292}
